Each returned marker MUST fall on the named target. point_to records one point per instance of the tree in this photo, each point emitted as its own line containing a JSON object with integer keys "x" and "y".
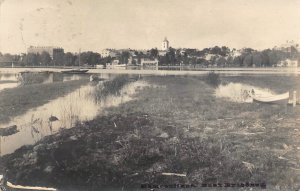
{"x": 45, "y": 58}
{"x": 58, "y": 58}
{"x": 139, "y": 56}
{"x": 6, "y": 58}
{"x": 90, "y": 58}
{"x": 133, "y": 62}
{"x": 221, "y": 62}
{"x": 257, "y": 59}
{"x": 265, "y": 57}
{"x": 273, "y": 58}
{"x": 94, "y": 58}
{"x": 105, "y": 60}
{"x": 225, "y": 51}
{"x": 69, "y": 59}
{"x": 248, "y": 60}
{"x": 294, "y": 52}
{"x": 171, "y": 56}
{"x": 216, "y": 50}
{"x": 154, "y": 53}
{"x": 124, "y": 57}
{"x": 31, "y": 59}
{"x": 238, "y": 61}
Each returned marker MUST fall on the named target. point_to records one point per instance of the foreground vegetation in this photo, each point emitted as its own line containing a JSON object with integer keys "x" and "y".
{"x": 175, "y": 126}
{"x": 111, "y": 87}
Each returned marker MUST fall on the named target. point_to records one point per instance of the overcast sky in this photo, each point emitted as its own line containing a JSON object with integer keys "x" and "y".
{"x": 143, "y": 24}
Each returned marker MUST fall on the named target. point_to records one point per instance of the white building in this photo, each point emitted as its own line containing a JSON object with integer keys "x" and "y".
{"x": 132, "y": 60}
{"x": 145, "y": 62}
{"x": 162, "y": 52}
{"x": 52, "y": 51}
{"x": 165, "y": 44}
{"x": 99, "y": 66}
{"x": 288, "y": 63}
{"x": 115, "y": 64}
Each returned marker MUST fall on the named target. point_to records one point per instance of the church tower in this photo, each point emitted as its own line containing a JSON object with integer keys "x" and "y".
{"x": 165, "y": 44}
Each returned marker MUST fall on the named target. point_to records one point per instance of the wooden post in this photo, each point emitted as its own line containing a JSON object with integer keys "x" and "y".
{"x": 294, "y": 98}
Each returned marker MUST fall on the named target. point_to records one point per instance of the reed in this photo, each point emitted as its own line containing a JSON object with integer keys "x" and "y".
{"x": 213, "y": 79}
{"x": 111, "y": 87}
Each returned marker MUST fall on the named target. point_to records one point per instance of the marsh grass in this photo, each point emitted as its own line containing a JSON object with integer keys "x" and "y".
{"x": 219, "y": 140}
{"x": 213, "y": 79}
{"x": 111, "y": 87}
{"x": 32, "y": 78}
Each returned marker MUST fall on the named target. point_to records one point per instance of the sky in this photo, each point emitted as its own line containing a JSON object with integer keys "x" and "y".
{"x": 143, "y": 24}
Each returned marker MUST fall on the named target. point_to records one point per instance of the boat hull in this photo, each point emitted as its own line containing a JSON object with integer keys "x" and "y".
{"x": 75, "y": 71}
{"x": 276, "y": 99}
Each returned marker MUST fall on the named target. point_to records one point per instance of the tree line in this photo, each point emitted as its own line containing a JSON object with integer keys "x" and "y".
{"x": 215, "y": 56}
{"x": 60, "y": 59}
{"x": 224, "y": 57}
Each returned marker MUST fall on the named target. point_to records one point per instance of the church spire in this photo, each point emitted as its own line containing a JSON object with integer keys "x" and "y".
{"x": 165, "y": 44}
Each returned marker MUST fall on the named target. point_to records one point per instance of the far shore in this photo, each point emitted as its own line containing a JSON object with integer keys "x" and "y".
{"x": 269, "y": 70}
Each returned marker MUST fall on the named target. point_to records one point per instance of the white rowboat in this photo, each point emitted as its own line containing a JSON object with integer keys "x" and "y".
{"x": 280, "y": 98}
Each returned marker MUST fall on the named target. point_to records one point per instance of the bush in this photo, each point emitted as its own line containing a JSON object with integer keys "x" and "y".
{"x": 213, "y": 79}
{"x": 112, "y": 87}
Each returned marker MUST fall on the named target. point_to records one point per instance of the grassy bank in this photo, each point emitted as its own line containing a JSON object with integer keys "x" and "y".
{"x": 176, "y": 126}
{"x": 16, "y": 101}
{"x": 111, "y": 87}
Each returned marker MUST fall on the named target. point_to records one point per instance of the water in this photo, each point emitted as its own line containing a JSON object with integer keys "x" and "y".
{"x": 8, "y": 81}
{"x": 238, "y": 92}
{"x": 76, "y": 106}
{"x": 13, "y": 80}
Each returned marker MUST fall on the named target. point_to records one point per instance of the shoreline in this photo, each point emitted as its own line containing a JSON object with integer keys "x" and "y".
{"x": 201, "y": 71}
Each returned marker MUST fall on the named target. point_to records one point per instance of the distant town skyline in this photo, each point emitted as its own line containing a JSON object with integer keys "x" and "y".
{"x": 143, "y": 24}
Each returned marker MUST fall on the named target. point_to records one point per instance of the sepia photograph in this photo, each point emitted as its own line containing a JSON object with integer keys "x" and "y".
{"x": 149, "y": 95}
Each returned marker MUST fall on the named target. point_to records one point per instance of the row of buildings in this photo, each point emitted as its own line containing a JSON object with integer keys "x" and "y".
{"x": 141, "y": 57}
{"x": 114, "y": 53}
{"x": 104, "y": 53}
{"x": 55, "y": 52}
{"x": 52, "y": 51}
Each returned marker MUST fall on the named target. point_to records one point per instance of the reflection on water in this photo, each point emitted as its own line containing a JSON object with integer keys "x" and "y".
{"x": 76, "y": 106}
{"x": 70, "y": 77}
{"x": 12, "y": 80}
{"x": 8, "y": 80}
{"x": 8, "y": 85}
{"x": 238, "y": 92}
{"x": 27, "y": 78}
